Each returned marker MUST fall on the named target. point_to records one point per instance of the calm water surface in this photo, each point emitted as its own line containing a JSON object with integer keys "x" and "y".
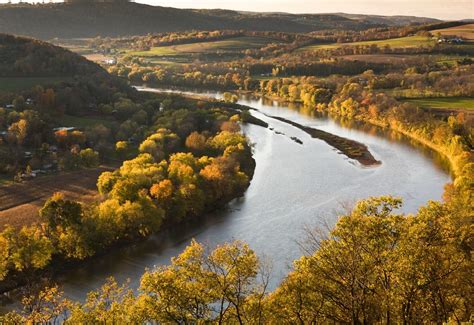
{"x": 294, "y": 186}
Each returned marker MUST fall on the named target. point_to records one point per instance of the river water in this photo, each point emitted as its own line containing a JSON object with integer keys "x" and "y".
{"x": 294, "y": 186}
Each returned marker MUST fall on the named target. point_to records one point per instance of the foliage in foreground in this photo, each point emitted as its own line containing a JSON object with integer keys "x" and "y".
{"x": 375, "y": 265}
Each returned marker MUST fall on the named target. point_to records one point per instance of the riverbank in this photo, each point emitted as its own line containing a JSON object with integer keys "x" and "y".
{"x": 455, "y": 162}
{"x": 350, "y": 148}
{"x": 358, "y": 152}
{"x": 172, "y": 185}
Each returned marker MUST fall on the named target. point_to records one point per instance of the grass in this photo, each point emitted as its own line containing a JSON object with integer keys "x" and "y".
{"x": 15, "y": 84}
{"x": 450, "y": 60}
{"x": 6, "y": 179}
{"x": 409, "y": 41}
{"x": 83, "y": 122}
{"x": 20, "y": 202}
{"x": 234, "y": 44}
{"x": 465, "y": 103}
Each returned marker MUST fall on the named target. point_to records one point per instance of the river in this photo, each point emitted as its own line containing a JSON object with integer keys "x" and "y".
{"x": 294, "y": 186}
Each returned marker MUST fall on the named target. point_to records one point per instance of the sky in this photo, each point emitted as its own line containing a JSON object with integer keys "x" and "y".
{"x": 442, "y": 9}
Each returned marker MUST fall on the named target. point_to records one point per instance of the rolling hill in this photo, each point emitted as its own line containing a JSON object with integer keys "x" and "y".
{"x": 82, "y": 20}
{"x": 26, "y": 62}
{"x": 25, "y": 57}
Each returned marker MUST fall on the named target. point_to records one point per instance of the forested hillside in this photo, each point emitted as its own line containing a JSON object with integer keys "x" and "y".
{"x": 44, "y": 88}
{"x": 109, "y": 19}
{"x": 24, "y": 57}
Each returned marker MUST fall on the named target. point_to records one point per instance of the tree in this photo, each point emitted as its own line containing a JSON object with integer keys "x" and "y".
{"x": 219, "y": 287}
{"x": 196, "y": 142}
{"x": 45, "y": 306}
{"x": 105, "y": 182}
{"x": 4, "y": 256}
{"x": 153, "y": 148}
{"x": 121, "y": 147}
{"x": 19, "y": 131}
{"x": 163, "y": 192}
{"x": 57, "y": 211}
{"x": 224, "y": 178}
{"x": 67, "y": 227}
{"x": 89, "y": 157}
{"x": 230, "y": 98}
{"x": 110, "y": 304}
{"x": 230, "y": 126}
{"x": 29, "y": 248}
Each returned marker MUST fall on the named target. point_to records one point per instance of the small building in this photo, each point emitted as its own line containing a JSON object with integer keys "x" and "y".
{"x": 65, "y": 128}
{"x": 450, "y": 40}
{"x": 110, "y": 61}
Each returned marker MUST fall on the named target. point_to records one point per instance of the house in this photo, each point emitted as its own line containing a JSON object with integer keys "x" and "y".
{"x": 110, "y": 61}
{"x": 65, "y": 128}
{"x": 450, "y": 40}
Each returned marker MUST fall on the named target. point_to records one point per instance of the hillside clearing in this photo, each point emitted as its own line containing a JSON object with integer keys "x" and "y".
{"x": 444, "y": 102}
{"x": 409, "y": 41}
{"x": 234, "y": 44}
{"x": 464, "y": 31}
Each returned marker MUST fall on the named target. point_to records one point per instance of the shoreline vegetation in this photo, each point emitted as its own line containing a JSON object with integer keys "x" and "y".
{"x": 456, "y": 163}
{"x": 350, "y": 148}
{"x": 196, "y": 165}
{"x": 453, "y": 161}
{"x": 359, "y": 150}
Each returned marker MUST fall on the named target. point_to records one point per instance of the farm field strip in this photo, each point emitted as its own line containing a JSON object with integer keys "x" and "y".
{"x": 234, "y": 44}
{"x": 464, "y": 31}
{"x": 409, "y": 41}
{"x": 21, "y": 201}
{"x": 443, "y": 102}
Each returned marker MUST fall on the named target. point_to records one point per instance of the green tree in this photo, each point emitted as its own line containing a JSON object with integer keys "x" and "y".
{"x": 89, "y": 157}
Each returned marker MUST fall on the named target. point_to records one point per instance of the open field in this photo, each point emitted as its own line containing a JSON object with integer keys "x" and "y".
{"x": 404, "y": 59}
{"x": 410, "y": 41}
{"x": 15, "y": 84}
{"x": 382, "y": 58}
{"x": 19, "y": 203}
{"x": 97, "y": 57}
{"x": 234, "y": 44}
{"x": 463, "y": 31}
{"x": 458, "y": 103}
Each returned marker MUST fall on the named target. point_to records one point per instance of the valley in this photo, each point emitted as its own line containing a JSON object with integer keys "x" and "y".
{"x": 165, "y": 165}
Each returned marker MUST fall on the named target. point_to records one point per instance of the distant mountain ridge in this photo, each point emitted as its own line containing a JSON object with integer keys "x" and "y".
{"x": 80, "y": 20}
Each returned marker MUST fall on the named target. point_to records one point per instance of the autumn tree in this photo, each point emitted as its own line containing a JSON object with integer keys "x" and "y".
{"x": 196, "y": 142}
{"x": 220, "y": 286}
